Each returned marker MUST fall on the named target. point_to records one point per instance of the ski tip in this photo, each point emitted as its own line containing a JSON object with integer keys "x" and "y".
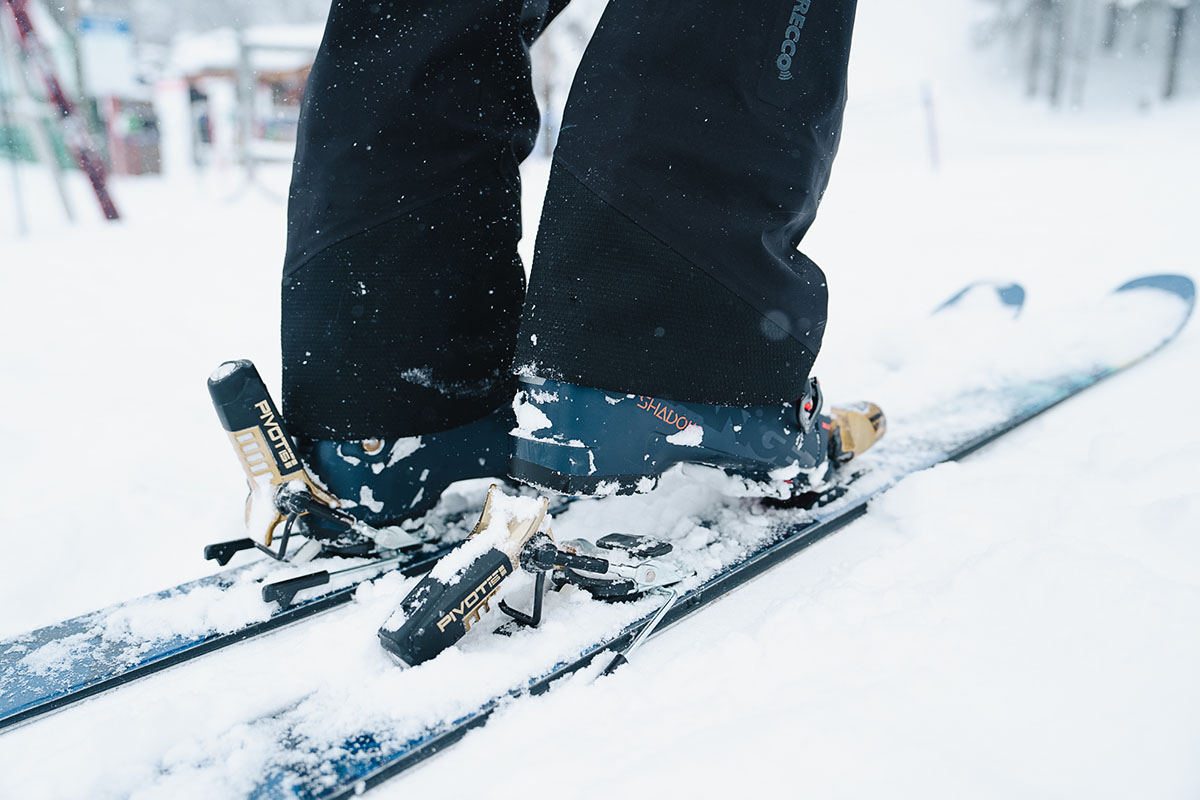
{"x": 1179, "y": 285}
{"x": 1010, "y": 295}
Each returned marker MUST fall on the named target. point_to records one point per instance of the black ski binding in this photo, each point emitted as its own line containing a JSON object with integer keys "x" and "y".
{"x": 640, "y": 547}
{"x": 616, "y": 567}
{"x": 285, "y": 591}
{"x": 808, "y": 500}
{"x": 291, "y": 501}
{"x": 539, "y": 556}
{"x": 603, "y": 588}
{"x": 294, "y": 500}
{"x": 520, "y": 617}
{"x": 221, "y": 552}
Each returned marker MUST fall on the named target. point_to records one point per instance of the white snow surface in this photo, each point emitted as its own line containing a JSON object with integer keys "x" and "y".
{"x": 1020, "y": 624}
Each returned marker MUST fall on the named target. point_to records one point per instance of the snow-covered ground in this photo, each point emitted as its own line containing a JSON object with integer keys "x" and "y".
{"x": 1023, "y": 623}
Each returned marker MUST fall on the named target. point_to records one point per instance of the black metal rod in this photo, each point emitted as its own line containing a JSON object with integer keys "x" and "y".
{"x": 534, "y": 619}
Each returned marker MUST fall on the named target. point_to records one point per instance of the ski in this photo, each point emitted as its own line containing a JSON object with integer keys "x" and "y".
{"x": 49, "y": 668}
{"x": 311, "y": 750}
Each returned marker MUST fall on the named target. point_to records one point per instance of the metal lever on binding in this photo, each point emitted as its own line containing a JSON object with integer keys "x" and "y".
{"x": 285, "y": 591}
{"x": 622, "y": 657}
{"x": 541, "y": 554}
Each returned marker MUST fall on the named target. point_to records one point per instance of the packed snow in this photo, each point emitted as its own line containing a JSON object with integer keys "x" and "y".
{"x": 530, "y": 419}
{"x": 691, "y": 436}
{"x": 1020, "y": 624}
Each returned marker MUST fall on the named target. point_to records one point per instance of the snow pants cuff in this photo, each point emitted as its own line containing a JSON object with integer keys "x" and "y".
{"x": 611, "y": 306}
{"x": 408, "y": 327}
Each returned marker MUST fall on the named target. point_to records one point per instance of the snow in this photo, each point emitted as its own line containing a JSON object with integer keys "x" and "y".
{"x": 506, "y": 510}
{"x": 367, "y": 498}
{"x": 56, "y": 656}
{"x": 541, "y": 396}
{"x": 1018, "y": 624}
{"x": 691, "y": 436}
{"x": 416, "y": 498}
{"x": 403, "y": 448}
{"x": 530, "y": 418}
{"x": 262, "y": 515}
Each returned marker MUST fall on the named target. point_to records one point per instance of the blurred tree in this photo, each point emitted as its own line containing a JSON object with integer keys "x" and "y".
{"x": 1143, "y": 47}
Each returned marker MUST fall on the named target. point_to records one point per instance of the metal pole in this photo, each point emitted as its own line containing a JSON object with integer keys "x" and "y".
{"x": 6, "y": 120}
{"x": 43, "y": 146}
{"x": 1037, "y": 21}
{"x": 1083, "y": 53}
{"x": 72, "y": 126}
{"x": 1111, "y": 23}
{"x": 1058, "y": 65}
{"x": 935, "y": 156}
{"x": 1179, "y": 14}
{"x": 245, "y": 96}
{"x": 644, "y": 634}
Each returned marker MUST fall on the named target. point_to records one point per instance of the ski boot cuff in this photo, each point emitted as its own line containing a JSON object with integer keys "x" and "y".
{"x": 407, "y": 327}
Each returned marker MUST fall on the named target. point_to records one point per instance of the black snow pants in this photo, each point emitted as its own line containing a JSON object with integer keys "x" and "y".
{"x": 695, "y": 146}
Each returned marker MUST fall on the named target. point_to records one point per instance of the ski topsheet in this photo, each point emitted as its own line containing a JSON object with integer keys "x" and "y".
{"x": 378, "y": 720}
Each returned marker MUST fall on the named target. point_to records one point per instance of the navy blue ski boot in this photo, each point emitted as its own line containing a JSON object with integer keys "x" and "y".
{"x": 386, "y": 482}
{"x": 580, "y": 441}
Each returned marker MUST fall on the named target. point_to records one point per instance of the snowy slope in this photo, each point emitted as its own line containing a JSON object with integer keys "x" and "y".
{"x": 1021, "y": 624}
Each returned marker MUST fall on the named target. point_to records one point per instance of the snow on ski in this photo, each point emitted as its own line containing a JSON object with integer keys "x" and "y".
{"x": 49, "y": 668}
{"x": 379, "y": 720}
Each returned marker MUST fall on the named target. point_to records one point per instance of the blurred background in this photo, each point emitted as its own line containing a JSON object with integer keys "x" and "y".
{"x": 1047, "y": 141}
{"x": 209, "y": 92}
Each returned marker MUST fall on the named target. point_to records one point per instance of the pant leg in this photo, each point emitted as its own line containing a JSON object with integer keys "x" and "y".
{"x": 402, "y": 286}
{"x": 696, "y": 144}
